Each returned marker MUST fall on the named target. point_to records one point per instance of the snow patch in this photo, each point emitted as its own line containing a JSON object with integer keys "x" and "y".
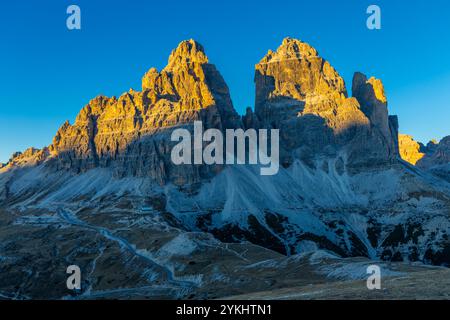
{"x": 354, "y": 271}
{"x": 181, "y": 245}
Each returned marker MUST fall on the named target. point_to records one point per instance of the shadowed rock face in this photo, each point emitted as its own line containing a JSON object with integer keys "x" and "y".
{"x": 131, "y": 133}
{"x": 434, "y": 157}
{"x": 300, "y": 93}
{"x": 371, "y": 96}
{"x": 295, "y": 81}
{"x": 437, "y": 154}
{"x": 416, "y": 153}
{"x": 297, "y": 92}
{"x": 437, "y": 159}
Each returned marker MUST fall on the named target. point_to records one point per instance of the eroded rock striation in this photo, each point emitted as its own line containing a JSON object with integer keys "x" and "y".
{"x": 303, "y": 95}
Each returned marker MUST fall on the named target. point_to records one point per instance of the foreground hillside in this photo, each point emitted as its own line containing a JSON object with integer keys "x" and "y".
{"x": 138, "y": 256}
{"x": 422, "y": 285}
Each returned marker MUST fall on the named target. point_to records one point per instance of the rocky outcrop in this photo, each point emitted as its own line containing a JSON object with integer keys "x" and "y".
{"x": 131, "y": 134}
{"x": 416, "y": 153}
{"x": 30, "y": 157}
{"x": 437, "y": 159}
{"x": 250, "y": 119}
{"x": 432, "y": 146}
{"x": 410, "y": 150}
{"x": 393, "y": 127}
{"x": 303, "y": 95}
{"x": 297, "y": 91}
{"x": 434, "y": 157}
{"x": 372, "y": 99}
{"x": 340, "y": 187}
{"x": 437, "y": 154}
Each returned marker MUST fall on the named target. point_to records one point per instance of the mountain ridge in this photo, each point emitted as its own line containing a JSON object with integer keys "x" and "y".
{"x": 342, "y": 188}
{"x": 189, "y": 57}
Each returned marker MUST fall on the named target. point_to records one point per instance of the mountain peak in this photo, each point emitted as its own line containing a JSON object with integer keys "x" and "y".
{"x": 360, "y": 82}
{"x": 295, "y": 71}
{"x": 188, "y": 51}
{"x": 290, "y": 49}
{"x": 410, "y": 150}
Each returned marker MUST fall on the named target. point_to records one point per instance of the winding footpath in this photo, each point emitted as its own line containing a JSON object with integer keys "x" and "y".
{"x": 71, "y": 219}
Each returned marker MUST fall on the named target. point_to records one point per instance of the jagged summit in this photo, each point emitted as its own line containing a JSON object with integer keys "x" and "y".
{"x": 301, "y": 93}
{"x": 189, "y": 55}
{"x": 296, "y": 91}
{"x": 188, "y": 78}
{"x": 124, "y": 133}
{"x": 434, "y": 155}
{"x": 187, "y": 52}
{"x": 360, "y": 82}
{"x": 290, "y": 49}
{"x": 371, "y": 96}
{"x": 298, "y": 72}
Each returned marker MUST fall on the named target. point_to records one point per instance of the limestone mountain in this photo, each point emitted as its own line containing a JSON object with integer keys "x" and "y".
{"x": 300, "y": 92}
{"x": 296, "y": 90}
{"x": 437, "y": 154}
{"x": 433, "y": 157}
{"x": 410, "y": 150}
{"x": 130, "y": 134}
{"x": 342, "y": 187}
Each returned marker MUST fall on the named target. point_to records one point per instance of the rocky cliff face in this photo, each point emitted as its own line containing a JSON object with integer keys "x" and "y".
{"x": 131, "y": 134}
{"x": 437, "y": 158}
{"x": 303, "y": 95}
{"x": 434, "y": 157}
{"x": 341, "y": 187}
{"x": 424, "y": 156}
{"x": 371, "y": 96}
{"x": 297, "y": 91}
{"x": 410, "y": 150}
{"x": 436, "y": 154}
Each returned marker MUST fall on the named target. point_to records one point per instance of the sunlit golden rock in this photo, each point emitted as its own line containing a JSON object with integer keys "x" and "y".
{"x": 131, "y": 133}
{"x": 303, "y": 95}
{"x": 410, "y": 150}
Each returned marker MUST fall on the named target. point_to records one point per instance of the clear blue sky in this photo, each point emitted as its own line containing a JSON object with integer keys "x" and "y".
{"x": 48, "y": 73}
